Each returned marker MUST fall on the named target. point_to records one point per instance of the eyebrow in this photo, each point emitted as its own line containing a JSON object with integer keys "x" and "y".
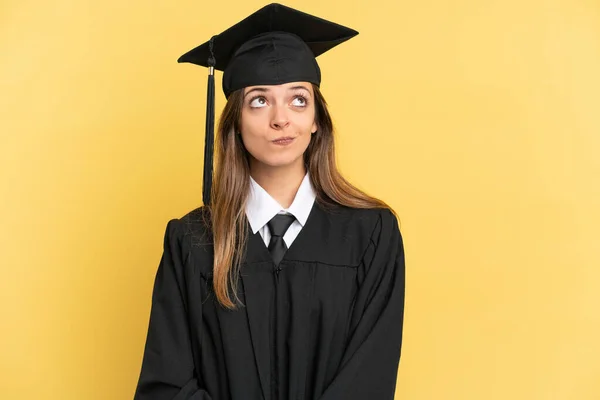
{"x": 265, "y": 90}
{"x": 299, "y": 87}
{"x": 259, "y": 89}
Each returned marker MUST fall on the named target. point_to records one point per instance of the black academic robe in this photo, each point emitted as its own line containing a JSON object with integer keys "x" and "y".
{"x": 325, "y": 325}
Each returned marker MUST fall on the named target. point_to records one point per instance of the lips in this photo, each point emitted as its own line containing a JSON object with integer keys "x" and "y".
{"x": 283, "y": 140}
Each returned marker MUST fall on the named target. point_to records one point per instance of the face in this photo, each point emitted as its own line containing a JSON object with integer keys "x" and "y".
{"x": 277, "y": 123}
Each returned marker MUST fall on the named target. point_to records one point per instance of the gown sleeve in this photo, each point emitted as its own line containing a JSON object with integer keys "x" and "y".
{"x": 369, "y": 366}
{"x": 167, "y": 370}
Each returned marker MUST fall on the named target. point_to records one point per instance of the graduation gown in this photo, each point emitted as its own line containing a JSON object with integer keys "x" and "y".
{"x": 325, "y": 325}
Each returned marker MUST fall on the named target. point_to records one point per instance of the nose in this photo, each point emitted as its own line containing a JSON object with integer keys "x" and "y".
{"x": 279, "y": 118}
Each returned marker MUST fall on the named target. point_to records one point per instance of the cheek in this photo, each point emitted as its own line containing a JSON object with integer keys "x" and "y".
{"x": 304, "y": 122}
{"x": 252, "y": 144}
{"x": 252, "y": 132}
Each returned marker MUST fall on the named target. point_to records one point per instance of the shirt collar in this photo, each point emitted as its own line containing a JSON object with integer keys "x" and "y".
{"x": 261, "y": 207}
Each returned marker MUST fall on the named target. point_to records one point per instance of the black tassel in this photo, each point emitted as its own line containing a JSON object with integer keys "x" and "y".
{"x": 210, "y": 128}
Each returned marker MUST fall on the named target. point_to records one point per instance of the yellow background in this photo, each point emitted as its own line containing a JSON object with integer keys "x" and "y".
{"x": 478, "y": 120}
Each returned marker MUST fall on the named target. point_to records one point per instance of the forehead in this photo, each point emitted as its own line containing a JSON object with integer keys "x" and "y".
{"x": 284, "y": 87}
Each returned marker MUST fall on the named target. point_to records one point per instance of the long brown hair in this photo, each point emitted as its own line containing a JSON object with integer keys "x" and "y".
{"x": 232, "y": 183}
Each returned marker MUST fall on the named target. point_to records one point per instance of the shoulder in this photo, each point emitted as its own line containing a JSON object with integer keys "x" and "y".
{"x": 363, "y": 219}
{"x": 380, "y": 236}
{"x": 188, "y": 238}
{"x": 383, "y": 226}
{"x": 196, "y": 220}
{"x": 358, "y": 229}
{"x": 191, "y": 228}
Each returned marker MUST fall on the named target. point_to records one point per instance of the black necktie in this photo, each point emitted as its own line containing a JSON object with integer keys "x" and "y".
{"x": 278, "y": 225}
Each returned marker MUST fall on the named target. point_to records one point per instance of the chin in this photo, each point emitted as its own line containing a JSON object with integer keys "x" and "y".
{"x": 277, "y": 162}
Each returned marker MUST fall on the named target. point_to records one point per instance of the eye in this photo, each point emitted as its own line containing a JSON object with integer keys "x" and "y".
{"x": 299, "y": 101}
{"x": 258, "y": 102}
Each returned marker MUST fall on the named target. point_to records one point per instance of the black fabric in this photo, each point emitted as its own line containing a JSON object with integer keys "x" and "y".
{"x": 209, "y": 141}
{"x": 274, "y": 45}
{"x": 272, "y": 58}
{"x": 328, "y": 326}
{"x": 278, "y": 225}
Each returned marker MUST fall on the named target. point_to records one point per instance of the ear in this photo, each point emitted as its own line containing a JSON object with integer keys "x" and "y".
{"x": 314, "y": 127}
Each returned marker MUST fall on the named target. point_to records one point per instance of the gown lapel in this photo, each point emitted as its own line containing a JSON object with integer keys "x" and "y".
{"x": 257, "y": 281}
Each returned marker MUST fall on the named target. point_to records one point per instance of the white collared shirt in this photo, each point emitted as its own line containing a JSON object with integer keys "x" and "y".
{"x": 261, "y": 208}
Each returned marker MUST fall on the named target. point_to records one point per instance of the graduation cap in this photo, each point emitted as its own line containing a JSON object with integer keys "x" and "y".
{"x": 274, "y": 45}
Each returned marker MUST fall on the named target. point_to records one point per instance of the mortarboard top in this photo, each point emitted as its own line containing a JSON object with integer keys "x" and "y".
{"x": 274, "y": 45}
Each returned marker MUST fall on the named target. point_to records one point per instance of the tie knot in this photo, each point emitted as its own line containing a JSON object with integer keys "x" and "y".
{"x": 280, "y": 223}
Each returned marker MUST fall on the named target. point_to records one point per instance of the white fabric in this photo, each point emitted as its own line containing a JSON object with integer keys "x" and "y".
{"x": 261, "y": 207}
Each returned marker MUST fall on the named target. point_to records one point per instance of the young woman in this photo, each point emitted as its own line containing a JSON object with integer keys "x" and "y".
{"x": 289, "y": 283}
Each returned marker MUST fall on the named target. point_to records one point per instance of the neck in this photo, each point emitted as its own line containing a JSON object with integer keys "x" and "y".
{"x": 281, "y": 183}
